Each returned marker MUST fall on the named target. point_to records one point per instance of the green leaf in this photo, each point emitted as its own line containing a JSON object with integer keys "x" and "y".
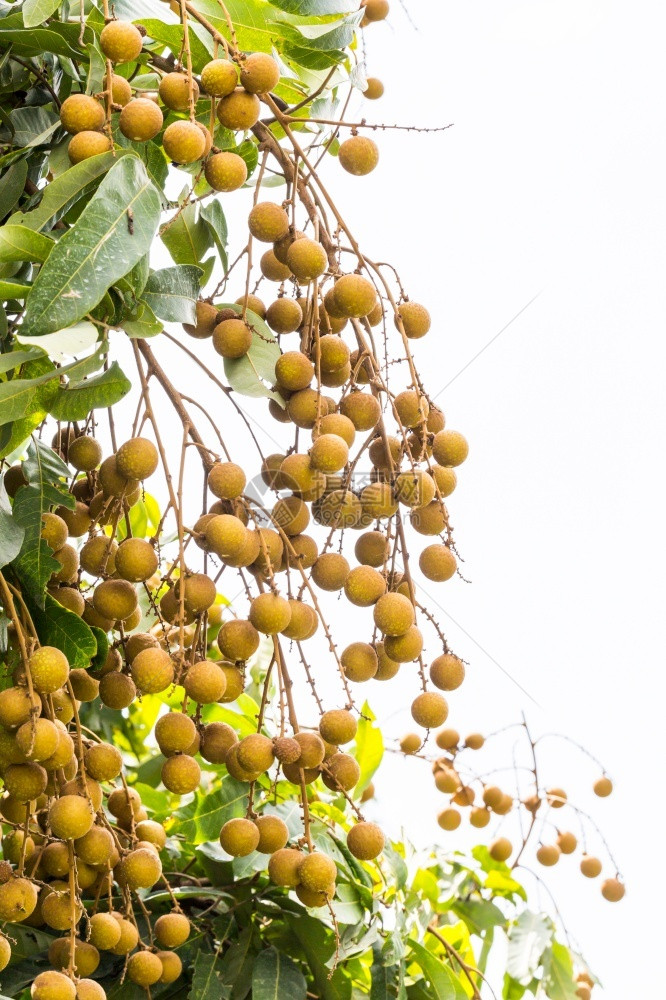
{"x": 11, "y": 533}
{"x": 153, "y": 157}
{"x": 102, "y": 641}
{"x": 213, "y": 215}
{"x": 18, "y": 243}
{"x": 529, "y": 936}
{"x": 35, "y": 12}
{"x": 318, "y": 943}
{"x": 254, "y": 374}
{"x": 63, "y": 192}
{"x": 368, "y": 749}
{"x": 56, "y": 626}
{"x": 388, "y": 981}
{"x": 59, "y": 38}
{"x": 172, "y": 35}
{"x": 186, "y": 238}
{"x": 12, "y": 184}
{"x": 76, "y": 402}
{"x": 276, "y": 977}
{"x": 21, "y": 395}
{"x": 444, "y": 985}
{"x": 512, "y": 990}
{"x": 142, "y": 322}
{"x": 320, "y": 8}
{"x": 13, "y": 359}
{"x": 203, "y": 818}
{"x": 561, "y": 984}
{"x": 33, "y": 126}
{"x": 13, "y": 290}
{"x": 206, "y": 978}
{"x": 172, "y": 293}
{"x": 114, "y": 231}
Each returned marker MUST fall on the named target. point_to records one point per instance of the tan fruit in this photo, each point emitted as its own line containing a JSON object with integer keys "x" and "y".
{"x": 69, "y": 598}
{"x": 393, "y": 614}
{"x": 85, "y": 957}
{"x": 226, "y": 480}
{"x": 115, "y": 599}
{"x": 152, "y": 670}
{"x": 613, "y": 890}
{"x": 449, "y": 448}
{"x": 239, "y": 837}
{"x": 273, "y": 833}
{"x": 25, "y": 782}
{"x": 255, "y": 753}
{"x": 303, "y": 622}
{"x": 205, "y": 682}
{"x": 337, "y": 726}
{"x": 583, "y": 992}
{"x": 272, "y": 268}
{"x": 359, "y": 661}
{"x": 81, "y": 113}
{"x": 312, "y": 749}
{"x": 68, "y": 558}
{"x": 364, "y": 586}
{"x": 505, "y": 806}
{"x": 184, "y": 142}
{"x": 239, "y": 110}
{"x": 270, "y": 613}
{"x": 70, "y": 817}
{"x": 291, "y": 515}
{"x": 175, "y": 732}
{"x": 445, "y": 479}
{"x": 438, "y": 563}
{"x": 84, "y": 686}
{"x": 375, "y": 10}
{"x": 307, "y": 259}
{"x": 37, "y": 739}
{"x": 284, "y": 867}
{"x": 294, "y": 371}
{"x": 219, "y": 77}
{"x": 121, "y": 41}
{"x": 297, "y": 474}
{"x": 590, "y": 867}
{"x": 474, "y": 741}
{"x": 235, "y": 682}
{"x": 129, "y": 937}
{"x": 49, "y": 669}
{"x": 287, "y": 750}
{"x": 54, "y": 531}
{"x": 365, "y": 841}
{"x": 225, "y": 171}
{"x": 141, "y": 868}
{"x": 329, "y": 453}
{"x": 548, "y": 855}
{"x": 372, "y": 548}
{"x": 567, "y": 842}
{"x": 447, "y": 672}
{"x": 140, "y": 120}
{"x": 374, "y": 88}
{"x": 95, "y": 848}
{"x": 429, "y": 709}
{"x": 135, "y": 560}
{"x": 117, "y": 691}
{"x": 172, "y": 929}
{"x": 354, "y": 296}
{"x": 200, "y": 592}
{"x": 181, "y": 774}
{"x": 172, "y": 966}
{"x": 603, "y": 787}
{"x": 83, "y": 145}
{"x": 5, "y": 953}
{"x": 501, "y": 849}
{"x": 104, "y": 931}
{"x": 18, "y": 899}
{"x": 259, "y": 73}
{"x": 225, "y": 535}
{"x": 479, "y": 817}
{"x": 359, "y": 155}
{"x": 52, "y": 985}
{"x": 378, "y": 501}
{"x": 284, "y": 315}
{"x": 449, "y": 819}
{"x": 57, "y": 909}
{"x": 415, "y": 320}
{"x": 121, "y": 90}
{"x": 317, "y": 871}
{"x": 556, "y": 797}
{"x": 238, "y": 639}
{"x": 206, "y": 320}
{"x": 174, "y": 91}
{"x": 404, "y": 648}
{"x": 232, "y": 338}
{"x": 144, "y": 968}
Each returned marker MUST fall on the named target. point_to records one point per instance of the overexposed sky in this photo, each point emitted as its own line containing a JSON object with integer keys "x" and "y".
{"x": 550, "y": 184}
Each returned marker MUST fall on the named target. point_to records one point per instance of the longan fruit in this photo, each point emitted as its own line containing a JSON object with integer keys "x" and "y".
{"x": 567, "y": 842}
{"x": 219, "y": 77}
{"x": 152, "y": 670}
{"x": 365, "y": 841}
{"x": 70, "y": 817}
{"x": 174, "y": 91}
{"x": 25, "y": 782}
{"x": 272, "y": 268}
{"x": 239, "y": 110}
{"x": 404, "y": 648}
{"x": 449, "y": 819}
{"x": 303, "y": 622}
{"x": 172, "y": 929}
{"x": 284, "y": 867}
{"x": 329, "y": 453}
{"x": 238, "y": 639}
{"x": 353, "y": 296}
{"x": 501, "y": 849}
{"x": 259, "y": 73}
{"x": 386, "y": 667}
{"x": 317, "y": 871}
{"x": 117, "y": 690}
{"x": 603, "y": 786}
{"x": 226, "y": 480}
{"x": 137, "y": 459}
{"x": 415, "y": 320}
{"x": 184, "y": 142}
{"x": 54, "y": 531}
{"x": 104, "y": 931}
{"x": 121, "y": 41}
{"x": 5, "y": 953}
{"x": 273, "y": 833}
{"x": 200, "y": 592}
{"x": 449, "y": 448}
{"x": 206, "y": 320}
{"x": 393, "y": 614}
{"x": 239, "y": 837}
{"x": 172, "y": 966}
{"x": 474, "y": 741}
{"x": 181, "y": 774}
{"x": 51, "y": 985}
{"x": 232, "y": 338}
{"x": 18, "y": 899}
{"x": 140, "y": 120}
{"x": 492, "y": 796}
{"x": 235, "y": 682}
{"x": 613, "y": 890}
{"x": 359, "y": 155}
{"x": 337, "y": 726}
{"x": 225, "y": 171}
{"x": 129, "y": 937}
{"x": 95, "y": 848}
{"x": 255, "y": 752}
{"x": 429, "y": 709}
{"x": 135, "y": 560}
{"x": 83, "y": 145}
{"x": 359, "y": 661}
{"x": 374, "y": 88}
{"x": 288, "y": 750}
{"x": 141, "y": 868}
{"x": 81, "y": 113}
{"x": 479, "y": 817}
{"x": 144, "y": 968}
{"x": 37, "y": 739}
{"x": 447, "y": 672}
{"x": 590, "y": 866}
{"x": 205, "y": 682}
{"x": 372, "y": 548}
{"x": 429, "y": 519}
{"x": 49, "y": 670}
{"x": 121, "y": 90}
{"x": 548, "y": 855}
{"x": 225, "y": 535}
{"x": 270, "y": 613}
{"x": 284, "y": 315}
{"x": 294, "y": 371}
{"x": 374, "y": 10}
{"x": 556, "y": 797}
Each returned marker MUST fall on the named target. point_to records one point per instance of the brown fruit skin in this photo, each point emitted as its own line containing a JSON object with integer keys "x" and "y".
{"x": 239, "y": 110}
{"x": 272, "y": 268}
{"x": 273, "y": 833}
{"x": 136, "y": 560}
{"x": 140, "y": 120}
{"x": 121, "y": 41}
{"x": 374, "y": 89}
{"x": 238, "y": 639}
{"x": 438, "y": 563}
{"x": 307, "y": 259}
{"x": 115, "y": 599}
{"x": 226, "y": 480}
{"x": 359, "y": 661}
{"x": 181, "y": 774}
{"x": 415, "y": 320}
{"x": 206, "y": 320}
{"x": 205, "y": 682}
{"x": 449, "y": 819}
{"x": 354, "y": 296}
{"x": 358, "y": 155}
{"x": 232, "y": 338}
{"x": 556, "y": 798}
{"x": 5, "y": 953}
{"x": 613, "y": 890}
{"x": 284, "y": 866}
{"x": 590, "y": 867}
{"x": 449, "y": 448}
{"x": 548, "y": 855}
{"x": 501, "y": 849}
{"x": 567, "y": 842}
{"x": 152, "y": 670}
{"x": 268, "y": 222}
{"x": 174, "y": 91}
{"x": 394, "y": 614}
{"x": 365, "y": 841}
{"x": 184, "y": 142}
{"x": 337, "y": 726}
{"x": 144, "y": 968}
{"x": 81, "y": 113}
{"x": 219, "y": 77}
{"x": 259, "y": 73}
{"x": 317, "y": 871}
{"x": 362, "y": 409}
{"x": 404, "y": 648}
{"x": 71, "y": 817}
{"x": 447, "y": 672}
{"x": 18, "y": 899}
{"x": 239, "y": 837}
{"x": 312, "y": 749}
{"x": 86, "y": 144}
{"x": 429, "y": 709}
{"x": 284, "y": 315}
{"x": 172, "y": 929}
{"x": 474, "y": 741}
{"x": 225, "y": 171}
{"x": 137, "y": 458}
{"x": 121, "y": 91}
{"x": 270, "y": 613}
{"x": 294, "y": 371}
{"x": 603, "y": 787}
{"x": 117, "y": 690}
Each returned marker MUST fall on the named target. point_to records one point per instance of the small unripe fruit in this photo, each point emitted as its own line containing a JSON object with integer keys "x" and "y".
{"x": 259, "y": 73}
{"x": 84, "y": 145}
{"x": 219, "y": 77}
{"x": 239, "y": 837}
{"x": 121, "y": 41}
{"x": 81, "y": 113}
{"x": 429, "y": 709}
{"x": 174, "y": 91}
{"x": 239, "y": 110}
{"x": 183, "y": 142}
{"x": 359, "y": 155}
{"x": 140, "y": 120}
{"x": 225, "y": 171}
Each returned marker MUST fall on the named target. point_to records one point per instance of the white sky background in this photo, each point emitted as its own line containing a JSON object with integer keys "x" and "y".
{"x": 551, "y": 181}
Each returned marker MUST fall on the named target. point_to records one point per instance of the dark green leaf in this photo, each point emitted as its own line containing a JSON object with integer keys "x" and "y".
{"x": 203, "y": 818}
{"x": 12, "y": 184}
{"x": 142, "y": 322}
{"x": 19, "y": 243}
{"x": 102, "y": 641}
{"x": 187, "y": 238}
{"x": 65, "y": 190}
{"x": 212, "y": 214}
{"x": 76, "y": 401}
{"x": 318, "y": 943}
{"x": 59, "y": 38}
{"x": 153, "y": 158}
{"x": 114, "y": 231}
{"x": 172, "y": 293}
{"x": 388, "y": 981}
{"x": 206, "y": 980}
{"x": 15, "y": 358}
{"x": 276, "y": 977}
{"x": 56, "y": 626}
{"x": 37, "y": 11}
{"x": 11, "y": 533}
{"x": 33, "y": 126}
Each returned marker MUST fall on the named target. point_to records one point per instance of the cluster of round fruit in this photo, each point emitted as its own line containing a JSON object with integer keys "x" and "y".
{"x": 234, "y": 88}
{"x": 494, "y": 801}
